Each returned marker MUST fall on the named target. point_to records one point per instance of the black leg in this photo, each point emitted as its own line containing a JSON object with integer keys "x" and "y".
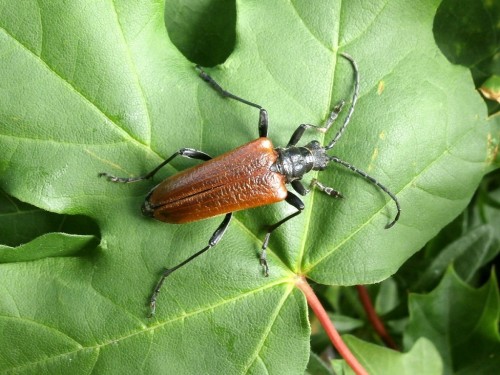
{"x": 299, "y": 187}
{"x": 216, "y": 237}
{"x": 263, "y": 123}
{"x": 263, "y": 118}
{"x": 293, "y": 200}
{"x": 299, "y": 132}
{"x": 185, "y": 152}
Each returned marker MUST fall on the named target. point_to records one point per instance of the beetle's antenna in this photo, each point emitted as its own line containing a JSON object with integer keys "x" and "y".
{"x": 353, "y": 103}
{"x": 374, "y": 182}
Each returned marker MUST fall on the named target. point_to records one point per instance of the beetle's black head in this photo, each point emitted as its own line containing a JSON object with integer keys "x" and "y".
{"x": 318, "y": 157}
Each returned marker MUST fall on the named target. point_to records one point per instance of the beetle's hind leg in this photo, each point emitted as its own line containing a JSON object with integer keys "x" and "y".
{"x": 292, "y": 200}
{"x": 214, "y": 240}
{"x": 263, "y": 118}
{"x": 185, "y": 152}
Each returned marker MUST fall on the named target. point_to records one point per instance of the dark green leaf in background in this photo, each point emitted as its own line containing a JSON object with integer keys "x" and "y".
{"x": 204, "y": 31}
{"x": 317, "y": 367}
{"x": 468, "y": 33}
{"x": 423, "y": 358}
{"x": 99, "y": 87}
{"x": 468, "y": 253}
{"x": 21, "y": 223}
{"x": 461, "y": 322}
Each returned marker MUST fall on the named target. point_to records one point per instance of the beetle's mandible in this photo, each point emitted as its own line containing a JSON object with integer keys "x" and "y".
{"x": 252, "y": 175}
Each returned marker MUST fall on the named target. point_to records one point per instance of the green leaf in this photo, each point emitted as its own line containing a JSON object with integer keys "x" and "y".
{"x": 461, "y": 322}
{"x": 423, "y": 358}
{"x": 48, "y": 245}
{"x": 89, "y": 89}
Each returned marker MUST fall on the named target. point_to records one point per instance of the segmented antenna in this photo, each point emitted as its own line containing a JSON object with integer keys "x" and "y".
{"x": 339, "y": 134}
{"x": 374, "y": 182}
{"x": 353, "y": 103}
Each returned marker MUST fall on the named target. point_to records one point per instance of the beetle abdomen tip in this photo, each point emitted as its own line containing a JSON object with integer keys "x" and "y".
{"x": 146, "y": 209}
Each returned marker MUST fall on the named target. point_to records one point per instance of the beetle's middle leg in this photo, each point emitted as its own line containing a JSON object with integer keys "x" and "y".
{"x": 302, "y": 190}
{"x": 214, "y": 240}
{"x": 185, "y": 152}
{"x": 296, "y": 202}
{"x": 263, "y": 118}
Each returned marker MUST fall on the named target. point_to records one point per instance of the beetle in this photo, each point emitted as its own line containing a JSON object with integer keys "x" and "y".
{"x": 252, "y": 175}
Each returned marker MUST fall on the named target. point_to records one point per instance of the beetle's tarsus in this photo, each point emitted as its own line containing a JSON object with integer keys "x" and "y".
{"x": 263, "y": 262}
{"x": 326, "y": 189}
{"x": 156, "y": 291}
{"x": 153, "y": 310}
{"x": 333, "y": 116}
{"x": 107, "y": 175}
{"x": 111, "y": 178}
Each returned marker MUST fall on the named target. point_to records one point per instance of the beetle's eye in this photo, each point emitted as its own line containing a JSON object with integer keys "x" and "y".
{"x": 314, "y": 145}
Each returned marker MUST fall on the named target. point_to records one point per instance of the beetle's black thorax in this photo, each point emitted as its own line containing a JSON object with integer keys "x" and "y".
{"x": 294, "y": 162}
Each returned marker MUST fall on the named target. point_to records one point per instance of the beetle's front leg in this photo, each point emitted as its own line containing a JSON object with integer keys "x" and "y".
{"x": 299, "y": 187}
{"x": 299, "y": 132}
{"x": 293, "y": 200}
{"x": 326, "y": 189}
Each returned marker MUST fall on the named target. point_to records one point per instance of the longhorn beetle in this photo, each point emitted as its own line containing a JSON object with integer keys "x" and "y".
{"x": 252, "y": 175}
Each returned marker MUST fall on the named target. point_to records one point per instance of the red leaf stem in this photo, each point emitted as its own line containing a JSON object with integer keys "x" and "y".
{"x": 374, "y": 319}
{"x": 327, "y": 324}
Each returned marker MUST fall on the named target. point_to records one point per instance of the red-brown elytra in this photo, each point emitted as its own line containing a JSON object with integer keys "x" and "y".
{"x": 252, "y": 175}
